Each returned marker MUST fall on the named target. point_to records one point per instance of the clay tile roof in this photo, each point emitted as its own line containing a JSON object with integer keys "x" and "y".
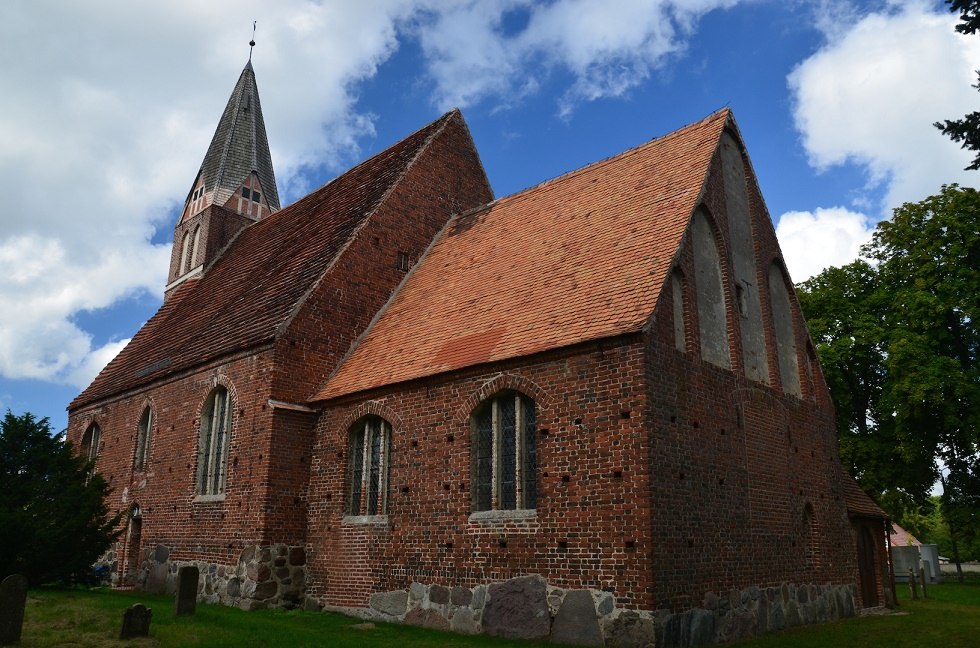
{"x": 243, "y": 299}
{"x": 859, "y": 504}
{"x": 578, "y": 258}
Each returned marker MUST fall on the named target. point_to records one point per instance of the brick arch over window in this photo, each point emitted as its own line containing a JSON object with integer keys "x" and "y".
{"x": 498, "y": 383}
{"x": 376, "y": 408}
{"x": 709, "y": 283}
{"x": 787, "y": 351}
{"x": 91, "y": 441}
{"x": 216, "y": 423}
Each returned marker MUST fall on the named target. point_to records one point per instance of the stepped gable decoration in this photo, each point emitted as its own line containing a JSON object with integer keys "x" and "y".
{"x": 595, "y": 248}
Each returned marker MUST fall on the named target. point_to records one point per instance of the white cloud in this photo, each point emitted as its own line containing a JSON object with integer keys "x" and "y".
{"x": 107, "y": 111}
{"x": 812, "y": 241}
{"x": 472, "y": 56}
{"x": 108, "y": 108}
{"x": 872, "y": 93}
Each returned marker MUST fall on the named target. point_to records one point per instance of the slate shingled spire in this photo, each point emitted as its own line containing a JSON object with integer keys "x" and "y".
{"x": 237, "y": 158}
{"x": 234, "y": 188}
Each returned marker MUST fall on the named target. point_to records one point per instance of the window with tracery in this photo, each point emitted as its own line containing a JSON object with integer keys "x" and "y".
{"x": 505, "y": 456}
{"x": 370, "y": 439}
{"x": 214, "y": 439}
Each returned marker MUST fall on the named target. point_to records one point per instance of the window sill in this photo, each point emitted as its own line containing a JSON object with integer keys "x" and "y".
{"x": 209, "y": 499}
{"x": 503, "y": 515}
{"x": 366, "y": 520}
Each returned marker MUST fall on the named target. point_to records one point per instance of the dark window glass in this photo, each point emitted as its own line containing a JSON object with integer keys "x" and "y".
{"x": 246, "y": 192}
{"x": 356, "y": 469}
{"x": 530, "y": 465}
{"x": 256, "y": 196}
{"x": 508, "y": 453}
{"x": 484, "y": 459}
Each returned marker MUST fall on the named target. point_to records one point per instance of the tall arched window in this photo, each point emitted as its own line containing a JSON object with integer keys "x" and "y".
{"x": 90, "y": 445}
{"x": 143, "y": 440}
{"x": 90, "y": 442}
{"x": 782, "y": 319}
{"x": 370, "y": 439}
{"x": 194, "y": 248}
{"x": 185, "y": 250}
{"x": 505, "y": 456}
{"x": 712, "y": 309}
{"x": 677, "y": 294}
{"x": 215, "y": 433}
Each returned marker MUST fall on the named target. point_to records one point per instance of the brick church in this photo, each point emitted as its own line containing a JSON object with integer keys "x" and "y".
{"x": 589, "y": 411}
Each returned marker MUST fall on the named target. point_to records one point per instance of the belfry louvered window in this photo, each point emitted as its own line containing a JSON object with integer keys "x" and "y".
{"x": 369, "y": 442}
{"x": 505, "y": 457}
{"x": 213, "y": 451}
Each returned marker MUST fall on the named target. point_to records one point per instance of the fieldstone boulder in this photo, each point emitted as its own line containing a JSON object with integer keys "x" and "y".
{"x": 439, "y": 594}
{"x": 702, "y": 627}
{"x": 427, "y": 618}
{"x": 629, "y": 630}
{"x": 392, "y": 603}
{"x": 461, "y": 596}
{"x": 518, "y": 609}
{"x": 576, "y": 623}
{"x": 463, "y": 622}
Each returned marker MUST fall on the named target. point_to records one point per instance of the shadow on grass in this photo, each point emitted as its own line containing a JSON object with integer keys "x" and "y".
{"x": 78, "y": 617}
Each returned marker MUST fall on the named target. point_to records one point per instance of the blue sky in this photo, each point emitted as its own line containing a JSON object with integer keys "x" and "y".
{"x": 108, "y": 111}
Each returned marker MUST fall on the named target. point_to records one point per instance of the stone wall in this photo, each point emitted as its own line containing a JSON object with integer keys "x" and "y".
{"x": 528, "y": 608}
{"x": 264, "y": 576}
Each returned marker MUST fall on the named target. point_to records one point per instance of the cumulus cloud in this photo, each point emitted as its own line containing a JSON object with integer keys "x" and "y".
{"x": 108, "y": 108}
{"x": 107, "y": 111}
{"x": 813, "y": 241}
{"x": 870, "y": 95}
{"x": 474, "y": 51}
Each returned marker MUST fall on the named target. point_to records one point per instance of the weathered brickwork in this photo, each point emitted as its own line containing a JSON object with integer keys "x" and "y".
{"x": 589, "y": 529}
{"x": 682, "y": 490}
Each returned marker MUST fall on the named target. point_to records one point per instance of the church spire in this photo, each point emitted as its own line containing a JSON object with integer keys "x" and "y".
{"x": 238, "y": 159}
{"x": 234, "y": 187}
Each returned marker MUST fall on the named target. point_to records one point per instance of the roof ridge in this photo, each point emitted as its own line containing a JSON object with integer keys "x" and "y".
{"x": 607, "y": 160}
{"x": 444, "y": 119}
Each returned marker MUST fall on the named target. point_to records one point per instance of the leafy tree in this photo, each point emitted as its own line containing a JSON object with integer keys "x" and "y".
{"x": 966, "y": 130}
{"x": 898, "y": 341}
{"x": 54, "y": 522}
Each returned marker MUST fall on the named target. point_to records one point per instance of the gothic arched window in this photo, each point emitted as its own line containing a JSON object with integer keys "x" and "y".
{"x": 370, "y": 439}
{"x": 143, "y": 439}
{"x": 213, "y": 448}
{"x": 505, "y": 456}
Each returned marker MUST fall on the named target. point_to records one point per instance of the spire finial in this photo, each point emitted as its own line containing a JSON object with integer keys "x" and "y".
{"x": 251, "y": 43}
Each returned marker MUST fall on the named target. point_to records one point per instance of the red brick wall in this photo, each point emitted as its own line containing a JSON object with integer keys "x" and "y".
{"x": 218, "y": 226}
{"x": 735, "y": 461}
{"x": 165, "y": 490}
{"x": 591, "y": 528}
{"x": 446, "y": 178}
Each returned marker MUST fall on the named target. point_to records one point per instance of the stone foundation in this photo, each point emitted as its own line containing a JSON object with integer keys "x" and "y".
{"x": 528, "y": 608}
{"x": 265, "y": 576}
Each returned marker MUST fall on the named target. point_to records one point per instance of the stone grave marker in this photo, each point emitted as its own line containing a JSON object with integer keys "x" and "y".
{"x": 136, "y": 622}
{"x": 13, "y": 598}
{"x": 187, "y": 578}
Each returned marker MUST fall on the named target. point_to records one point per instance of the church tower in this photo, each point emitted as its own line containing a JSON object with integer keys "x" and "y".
{"x": 234, "y": 187}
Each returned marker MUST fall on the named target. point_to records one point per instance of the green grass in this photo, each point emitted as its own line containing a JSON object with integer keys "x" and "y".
{"x": 949, "y": 618}
{"x": 57, "y": 617}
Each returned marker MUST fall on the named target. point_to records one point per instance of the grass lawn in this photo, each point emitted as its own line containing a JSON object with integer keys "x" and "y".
{"x": 950, "y": 618}
{"x": 76, "y": 617}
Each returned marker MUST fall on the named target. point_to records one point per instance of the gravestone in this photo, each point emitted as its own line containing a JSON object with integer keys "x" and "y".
{"x": 13, "y": 597}
{"x": 136, "y": 622}
{"x": 904, "y": 559}
{"x": 187, "y": 578}
{"x": 930, "y": 554}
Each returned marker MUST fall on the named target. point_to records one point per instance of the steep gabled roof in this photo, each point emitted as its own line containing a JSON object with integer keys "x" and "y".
{"x": 578, "y": 258}
{"x": 243, "y": 299}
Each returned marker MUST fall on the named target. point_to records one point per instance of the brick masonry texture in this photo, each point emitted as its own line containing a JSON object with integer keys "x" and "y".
{"x": 692, "y": 503}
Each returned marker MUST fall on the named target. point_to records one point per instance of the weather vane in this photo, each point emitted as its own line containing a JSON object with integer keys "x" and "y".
{"x": 251, "y": 43}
